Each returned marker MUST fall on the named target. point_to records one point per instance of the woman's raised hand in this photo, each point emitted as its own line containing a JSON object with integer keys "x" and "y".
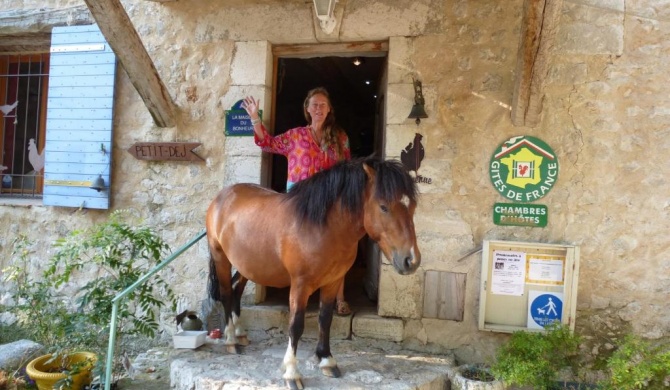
{"x": 250, "y": 105}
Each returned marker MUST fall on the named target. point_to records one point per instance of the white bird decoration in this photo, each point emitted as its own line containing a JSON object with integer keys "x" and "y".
{"x": 6, "y": 109}
{"x": 35, "y": 158}
{"x": 128, "y": 365}
{"x": 2, "y": 168}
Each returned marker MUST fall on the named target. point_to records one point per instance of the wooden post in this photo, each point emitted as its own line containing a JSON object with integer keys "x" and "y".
{"x": 538, "y": 31}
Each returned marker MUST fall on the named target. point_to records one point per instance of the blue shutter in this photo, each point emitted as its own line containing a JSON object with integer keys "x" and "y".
{"x": 78, "y": 147}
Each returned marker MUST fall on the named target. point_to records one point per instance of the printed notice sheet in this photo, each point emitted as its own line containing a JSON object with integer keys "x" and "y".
{"x": 508, "y": 274}
{"x": 545, "y": 269}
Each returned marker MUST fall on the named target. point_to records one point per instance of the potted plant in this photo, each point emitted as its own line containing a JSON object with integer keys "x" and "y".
{"x": 109, "y": 257}
{"x": 71, "y": 371}
{"x": 536, "y": 358}
{"x": 475, "y": 377}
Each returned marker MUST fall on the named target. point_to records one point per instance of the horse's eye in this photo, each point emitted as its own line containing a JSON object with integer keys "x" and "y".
{"x": 384, "y": 208}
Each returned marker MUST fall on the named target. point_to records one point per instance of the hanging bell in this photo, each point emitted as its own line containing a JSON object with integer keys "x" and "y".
{"x": 418, "y": 110}
{"x": 98, "y": 184}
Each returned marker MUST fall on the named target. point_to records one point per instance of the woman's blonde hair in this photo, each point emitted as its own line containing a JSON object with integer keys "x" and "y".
{"x": 331, "y": 131}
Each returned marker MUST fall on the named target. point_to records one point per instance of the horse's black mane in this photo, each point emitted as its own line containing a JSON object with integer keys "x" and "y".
{"x": 312, "y": 198}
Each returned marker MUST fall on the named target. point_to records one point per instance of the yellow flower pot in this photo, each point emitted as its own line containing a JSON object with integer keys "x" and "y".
{"x": 46, "y": 374}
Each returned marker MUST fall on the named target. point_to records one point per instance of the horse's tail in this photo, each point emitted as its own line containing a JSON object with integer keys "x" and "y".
{"x": 214, "y": 291}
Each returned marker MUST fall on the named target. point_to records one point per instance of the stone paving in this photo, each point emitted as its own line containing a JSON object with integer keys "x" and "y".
{"x": 365, "y": 364}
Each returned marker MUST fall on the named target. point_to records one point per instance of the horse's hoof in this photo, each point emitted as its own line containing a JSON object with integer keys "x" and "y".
{"x": 232, "y": 349}
{"x": 333, "y": 372}
{"x": 243, "y": 340}
{"x": 294, "y": 384}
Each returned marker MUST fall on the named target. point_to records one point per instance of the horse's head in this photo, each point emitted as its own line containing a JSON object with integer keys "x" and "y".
{"x": 390, "y": 202}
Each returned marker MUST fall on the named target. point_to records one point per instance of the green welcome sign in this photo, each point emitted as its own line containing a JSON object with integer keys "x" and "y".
{"x": 523, "y": 169}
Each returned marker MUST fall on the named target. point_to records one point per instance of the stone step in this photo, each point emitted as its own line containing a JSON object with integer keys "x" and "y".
{"x": 362, "y": 323}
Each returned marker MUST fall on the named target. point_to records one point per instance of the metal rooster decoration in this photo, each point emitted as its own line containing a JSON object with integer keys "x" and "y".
{"x": 413, "y": 154}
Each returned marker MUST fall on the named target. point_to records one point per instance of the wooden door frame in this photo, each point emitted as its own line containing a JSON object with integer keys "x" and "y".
{"x": 350, "y": 49}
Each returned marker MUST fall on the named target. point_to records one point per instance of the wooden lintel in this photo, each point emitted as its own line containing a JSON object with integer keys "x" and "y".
{"x": 345, "y": 49}
{"x": 119, "y": 32}
{"x": 25, "y": 43}
{"x": 538, "y": 31}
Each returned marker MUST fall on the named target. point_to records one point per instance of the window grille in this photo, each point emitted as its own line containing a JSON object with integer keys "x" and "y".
{"x": 23, "y": 100}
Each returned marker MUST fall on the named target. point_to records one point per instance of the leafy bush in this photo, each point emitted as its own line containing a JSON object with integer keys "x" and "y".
{"x": 112, "y": 255}
{"x": 535, "y": 358}
{"x": 636, "y": 364}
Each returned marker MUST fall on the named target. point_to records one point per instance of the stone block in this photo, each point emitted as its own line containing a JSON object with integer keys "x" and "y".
{"x": 400, "y": 68}
{"x": 241, "y": 146}
{"x": 370, "y": 325}
{"x": 585, "y": 38}
{"x": 263, "y": 317}
{"x": 400, "y": 295}
{"x": 340, "y": 329}
{"x": 400, "y": 99}
{"x": 242, "y": 169}
{"x": 252, "y": 64}
{"x": 569, "y": 74}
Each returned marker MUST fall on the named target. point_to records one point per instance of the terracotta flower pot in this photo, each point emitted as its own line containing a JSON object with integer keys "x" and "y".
{"x": 46, "y": 374}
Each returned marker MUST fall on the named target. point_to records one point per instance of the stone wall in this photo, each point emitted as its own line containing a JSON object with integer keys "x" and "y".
{"x": 606, "y": 114}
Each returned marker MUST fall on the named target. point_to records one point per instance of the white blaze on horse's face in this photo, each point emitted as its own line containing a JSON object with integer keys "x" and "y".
{"x": 405, "y": 200}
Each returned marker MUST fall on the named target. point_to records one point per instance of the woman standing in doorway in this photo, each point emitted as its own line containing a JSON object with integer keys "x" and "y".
{"x": 309, "y": 149}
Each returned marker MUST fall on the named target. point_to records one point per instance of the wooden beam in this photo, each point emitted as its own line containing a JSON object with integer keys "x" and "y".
{"x": 126, "y": 43}
{"x": 43, "y": 19}
{"x": 538, "y": 31}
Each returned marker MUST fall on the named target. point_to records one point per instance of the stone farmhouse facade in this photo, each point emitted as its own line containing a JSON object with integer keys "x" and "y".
{"x": 586, "y": 77}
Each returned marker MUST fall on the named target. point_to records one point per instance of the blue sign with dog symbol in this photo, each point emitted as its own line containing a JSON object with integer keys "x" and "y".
{"x": 545, "y": 308}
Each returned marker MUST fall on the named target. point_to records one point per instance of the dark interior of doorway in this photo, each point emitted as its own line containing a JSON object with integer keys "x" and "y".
{"x": 354, "y": 92}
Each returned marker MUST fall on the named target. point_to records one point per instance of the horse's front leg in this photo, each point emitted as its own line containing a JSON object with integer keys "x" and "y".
{"x": 297, "y": 304}
{"x": 327, "y": 362}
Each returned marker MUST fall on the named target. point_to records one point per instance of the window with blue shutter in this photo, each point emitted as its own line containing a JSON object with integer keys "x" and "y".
{"x": 78, "y": 146}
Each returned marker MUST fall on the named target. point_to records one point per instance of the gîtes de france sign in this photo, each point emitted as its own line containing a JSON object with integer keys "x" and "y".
{"x": 518, "y": 214}
{"x": 523, "y": 169}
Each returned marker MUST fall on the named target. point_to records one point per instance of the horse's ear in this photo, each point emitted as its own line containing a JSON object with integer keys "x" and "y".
{"x": 369, "y": 171}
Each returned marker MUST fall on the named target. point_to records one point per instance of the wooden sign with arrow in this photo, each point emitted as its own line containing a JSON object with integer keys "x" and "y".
{"x": 158, "y": 151}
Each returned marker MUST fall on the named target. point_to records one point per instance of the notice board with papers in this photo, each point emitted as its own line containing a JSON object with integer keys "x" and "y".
{"x": 527, "y": 286}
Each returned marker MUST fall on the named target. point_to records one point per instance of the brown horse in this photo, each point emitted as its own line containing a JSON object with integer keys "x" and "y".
{"x": 307, "y": 239}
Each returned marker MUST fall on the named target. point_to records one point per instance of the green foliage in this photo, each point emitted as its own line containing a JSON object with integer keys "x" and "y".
{"x": 111, "y": 255}
{"x": 535, "y": 358}
{"x": 637, "y": 364}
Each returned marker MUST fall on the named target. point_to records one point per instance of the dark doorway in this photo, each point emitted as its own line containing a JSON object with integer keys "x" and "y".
{"x": 356, "y": 89}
